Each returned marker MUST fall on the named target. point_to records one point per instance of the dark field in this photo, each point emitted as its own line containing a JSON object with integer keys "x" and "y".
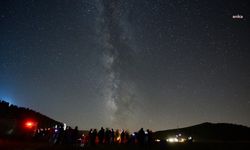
{"x": 17, "y": 145}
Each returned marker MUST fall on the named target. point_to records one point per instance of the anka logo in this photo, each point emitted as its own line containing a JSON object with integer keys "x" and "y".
{"x": 238, "y": 16}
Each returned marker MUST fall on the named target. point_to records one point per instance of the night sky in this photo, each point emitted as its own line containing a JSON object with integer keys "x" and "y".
{"x": 156, "y": 64}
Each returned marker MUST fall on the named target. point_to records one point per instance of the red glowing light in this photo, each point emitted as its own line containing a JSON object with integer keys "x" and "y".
{"x": 29, "y": 124}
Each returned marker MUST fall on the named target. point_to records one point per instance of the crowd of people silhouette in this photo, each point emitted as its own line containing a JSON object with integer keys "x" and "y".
{"x": 69, "y": 136}
{"x": 109, "y": 136}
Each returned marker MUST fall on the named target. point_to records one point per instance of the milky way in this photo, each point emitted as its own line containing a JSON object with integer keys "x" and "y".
{"x": 119, "y": 90}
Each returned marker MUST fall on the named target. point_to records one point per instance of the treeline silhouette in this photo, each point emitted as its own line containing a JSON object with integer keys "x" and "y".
{"x": 12, "y": 120}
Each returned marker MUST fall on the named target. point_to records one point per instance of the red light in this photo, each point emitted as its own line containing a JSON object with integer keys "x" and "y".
{"x": 29, "y": 124}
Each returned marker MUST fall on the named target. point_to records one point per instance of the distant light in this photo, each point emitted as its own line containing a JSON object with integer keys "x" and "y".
{"x": 157, "y": 140}
{"x": 172, "y": 140}
{"x": 190, "y": 138}
{"x": 182, "y": 140}
{"x": 133, "y": 134}
{"x": 146, "y": 132}
{"x": 29, "y": 124}
{"x": 64, "y": 126}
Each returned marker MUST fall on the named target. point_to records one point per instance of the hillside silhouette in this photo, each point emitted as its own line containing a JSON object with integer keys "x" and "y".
{"x": 12, "y": 119}
{"x": 210, "y": 132}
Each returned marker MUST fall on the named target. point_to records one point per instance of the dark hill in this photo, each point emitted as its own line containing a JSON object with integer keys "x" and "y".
{"x": 12, "y": 119}
{"x": 210, "y": 132}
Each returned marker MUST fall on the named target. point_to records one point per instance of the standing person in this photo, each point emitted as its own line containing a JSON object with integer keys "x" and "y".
{"x": 141, "y": 136}
{"x": 112, "y": 136}
{"x": 90, "y": 136}
{"x": 74, "y": 136}
{"x": 94, "y": 137}
{"x": 150, "y": 136}
{"x": 107, "y": 136}
{"x": 117, "y": 138}
{"x": 122, "y": 137}
{"x": 101, "y": 135}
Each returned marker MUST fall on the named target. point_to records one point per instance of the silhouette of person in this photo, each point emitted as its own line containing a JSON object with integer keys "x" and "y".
{"x": 141, "y": 136}
{"x": 150, "y": 136}
{"x": 112, "y": 136}
{"x": 91, "y": 137}
{"x": 94, "y": 137}
{"x": 122, "y": 136}
{"x": 74, "y": 135}
{"x": 107, "y": 136}
{"x": 101, "y": 135}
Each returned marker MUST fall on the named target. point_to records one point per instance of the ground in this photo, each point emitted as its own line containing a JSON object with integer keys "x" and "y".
{"x": 32, "y": 145}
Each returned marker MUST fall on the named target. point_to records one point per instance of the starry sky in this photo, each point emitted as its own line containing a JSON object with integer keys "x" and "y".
{"x": 156, "y": 64}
